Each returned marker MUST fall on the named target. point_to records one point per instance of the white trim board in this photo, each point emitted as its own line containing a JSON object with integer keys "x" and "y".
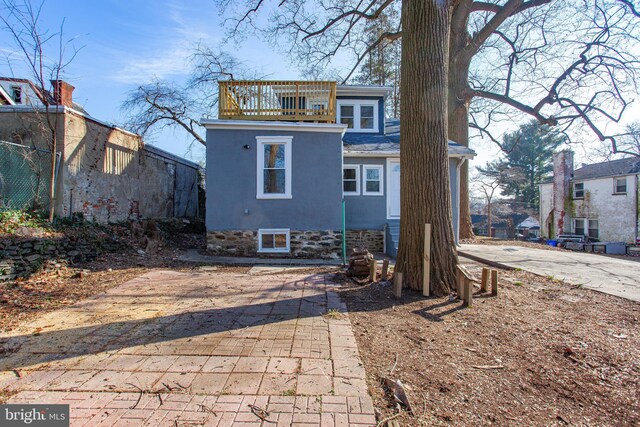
{"x": 274, "y": 125}
{"x": 389, "y": 161}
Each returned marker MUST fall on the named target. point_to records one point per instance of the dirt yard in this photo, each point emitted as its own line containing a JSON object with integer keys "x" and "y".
{"x": 542, "y": 353}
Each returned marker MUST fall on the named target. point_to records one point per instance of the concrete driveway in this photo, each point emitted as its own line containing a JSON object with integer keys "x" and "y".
{"x": 612, "y": 276}
{"x": 178, "y": 349}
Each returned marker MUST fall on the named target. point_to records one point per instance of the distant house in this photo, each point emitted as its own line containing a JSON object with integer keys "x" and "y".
{"x": 502, "y": 226}
{"x": 104, "y": 172}
{"x": 290, "y": 165}
{"x": 530, "y": 227}
{"x": 599, "y": 201}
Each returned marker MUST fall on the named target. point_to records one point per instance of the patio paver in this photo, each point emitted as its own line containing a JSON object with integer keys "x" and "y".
{"x": 171, "y": 348}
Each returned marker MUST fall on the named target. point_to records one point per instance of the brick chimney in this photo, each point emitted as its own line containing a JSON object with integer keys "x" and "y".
{"x": 562, "y": 174}
{"x": 62, "y": 93}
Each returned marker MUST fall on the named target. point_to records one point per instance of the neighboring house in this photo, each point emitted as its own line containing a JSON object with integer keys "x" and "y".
{"x": 105, "y": 173}
{"x": 528, "y": 228}
{"x": 292, "y": 164}
{"x": 599, "y": 201}
{"x": 502, "y": 226}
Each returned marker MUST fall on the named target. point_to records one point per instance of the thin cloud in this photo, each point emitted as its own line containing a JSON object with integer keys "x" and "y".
{"x": 169, "y": 57}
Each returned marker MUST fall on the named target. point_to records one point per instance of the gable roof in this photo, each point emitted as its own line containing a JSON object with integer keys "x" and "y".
{"x": 41, "y": 93}
{"x": 390, "y": 142}
{"x": 630, "y": 166}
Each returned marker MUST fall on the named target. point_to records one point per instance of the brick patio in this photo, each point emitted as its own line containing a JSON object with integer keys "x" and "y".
{"x": 171, "y": 348}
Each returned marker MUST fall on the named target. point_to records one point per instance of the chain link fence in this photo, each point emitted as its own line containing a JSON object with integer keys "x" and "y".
{"x": 25, "y": 174}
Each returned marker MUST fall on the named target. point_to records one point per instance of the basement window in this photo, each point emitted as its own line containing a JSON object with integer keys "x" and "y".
{"x": 274, "y": 240}
{"x": 620, "y": 185}
{"x": 578, "y": 190}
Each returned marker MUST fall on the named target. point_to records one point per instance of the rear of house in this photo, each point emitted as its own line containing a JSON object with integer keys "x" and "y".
{"x": 290, "y": 165}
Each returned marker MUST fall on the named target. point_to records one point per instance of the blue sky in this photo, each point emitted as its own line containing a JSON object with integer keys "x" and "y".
{"x": 127, "y": 43}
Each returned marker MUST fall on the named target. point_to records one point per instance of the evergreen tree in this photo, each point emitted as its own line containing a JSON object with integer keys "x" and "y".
{"x": 528, "y": 160}
{"x": 382, "y": 63}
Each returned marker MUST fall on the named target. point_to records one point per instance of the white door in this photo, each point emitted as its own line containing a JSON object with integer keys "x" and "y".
{"x": 393, "y": 189}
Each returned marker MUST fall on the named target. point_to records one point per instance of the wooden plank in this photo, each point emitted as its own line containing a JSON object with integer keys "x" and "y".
{"x": 372, "y": 270}
{"x": 459, "y": 282}
{"x": 494, "y": 282}
{"x": 397, "y": 284}
{"x": 484, "y": 284}
{"x": 385, "y": 270}
{"x": 426, "y": 264}
{"x": 468, "y": 292}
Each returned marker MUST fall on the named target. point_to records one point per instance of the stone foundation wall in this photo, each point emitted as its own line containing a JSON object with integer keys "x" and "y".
{"x": 304, "y": 244}
{"x": 20, "y": 257}
{"x": 373, "y": 240}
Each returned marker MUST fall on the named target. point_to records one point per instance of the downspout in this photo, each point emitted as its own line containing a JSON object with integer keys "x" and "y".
{"x": 344, "y": 235}
{"x": 458, "y": 167}
{"x": 637, "y": 209}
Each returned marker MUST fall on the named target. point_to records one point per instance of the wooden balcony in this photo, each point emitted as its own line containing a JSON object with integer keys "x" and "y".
{"x": 298, "y": 101}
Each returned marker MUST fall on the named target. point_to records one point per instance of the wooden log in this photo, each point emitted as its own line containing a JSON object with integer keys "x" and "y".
{"x": 494, "y": 282}
{"x": 385, "y": 270}
{"x": 397, "y": 284}
{"x": 426, "y": 267}
{"x": 372, "y": 270}
{"x": 484, "y": 284}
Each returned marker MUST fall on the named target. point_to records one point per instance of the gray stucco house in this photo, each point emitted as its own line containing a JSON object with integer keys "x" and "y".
{"x": 306, "y": 169}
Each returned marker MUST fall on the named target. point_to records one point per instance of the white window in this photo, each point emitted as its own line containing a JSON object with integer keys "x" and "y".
{"x": 578, "y": 190}
{"x": 274, "y": 240}
{"x": 347, "y": 115}
{"x": 274, "y": 167}
{"x": 358, "y": 115}
{"x": 367, "y": 116}
{"x": 351, "y": 180}
{"x": 586, "y": 227}
{"x": 620, "y": 185}
{"x": 372, "y": 180}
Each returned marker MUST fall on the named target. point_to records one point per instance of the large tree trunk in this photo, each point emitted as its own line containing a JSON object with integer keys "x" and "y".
{"x": 424, "y": 178}
{"x": 458, "y": 103}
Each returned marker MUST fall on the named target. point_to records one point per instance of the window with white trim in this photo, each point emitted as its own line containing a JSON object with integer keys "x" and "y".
{"x": 347, "y": 115}
{"x": 372, "y": 180}
{"x": 620, "y": 185}
{"x": 274, "y": 240}
{"x": 358, "y": 115}
{"x": 351, "y": 180}
{"x": 586, "y": 227}
{"x": 274, "y": 167}
{"x": 578, "y": 190}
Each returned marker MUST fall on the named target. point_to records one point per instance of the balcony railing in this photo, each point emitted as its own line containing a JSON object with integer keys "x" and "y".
{"x": 278, "y": 100}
